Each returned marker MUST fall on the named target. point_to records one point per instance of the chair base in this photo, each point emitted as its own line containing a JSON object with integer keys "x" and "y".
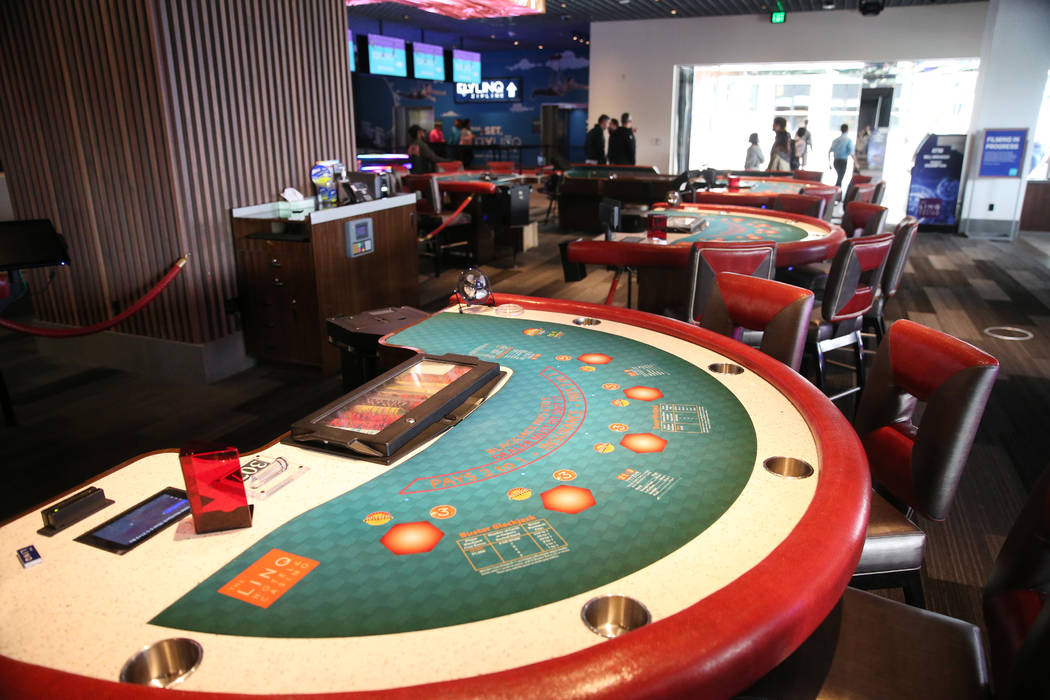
{"x": 819, "y": 348}
{"x": 909, "y": 581}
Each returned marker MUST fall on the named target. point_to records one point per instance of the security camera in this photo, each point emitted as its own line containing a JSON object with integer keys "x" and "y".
{"x": 871, "y": 7}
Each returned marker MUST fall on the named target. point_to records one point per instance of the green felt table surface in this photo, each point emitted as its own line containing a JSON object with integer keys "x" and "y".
{"x": 553, "y": 440}
{"x": 740, "y": 227}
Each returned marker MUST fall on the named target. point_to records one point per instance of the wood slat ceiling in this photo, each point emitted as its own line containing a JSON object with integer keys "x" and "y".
{"x": 565, "y": 17}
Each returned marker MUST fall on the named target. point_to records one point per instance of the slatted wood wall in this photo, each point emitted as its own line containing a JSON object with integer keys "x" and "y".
{"x": 135, "y": 127}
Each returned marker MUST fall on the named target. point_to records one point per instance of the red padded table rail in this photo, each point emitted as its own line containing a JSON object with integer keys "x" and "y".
{"x": 713, "y": 648}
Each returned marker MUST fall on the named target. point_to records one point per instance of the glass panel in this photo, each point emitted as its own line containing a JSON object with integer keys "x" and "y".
{"x": 373, "y": 411}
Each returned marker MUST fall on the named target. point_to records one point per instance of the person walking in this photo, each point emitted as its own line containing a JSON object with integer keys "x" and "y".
{"x": 800, "y": 148}
{"x": 596, "y": 146}
{"x": 780, "y": 153}
{"x": 840, "y": 151}
{"x": 622, "y": 142}
{"x": 754, "y": 158}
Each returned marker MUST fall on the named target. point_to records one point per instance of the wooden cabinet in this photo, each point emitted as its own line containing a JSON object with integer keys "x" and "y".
{"x": 291, "y": 276}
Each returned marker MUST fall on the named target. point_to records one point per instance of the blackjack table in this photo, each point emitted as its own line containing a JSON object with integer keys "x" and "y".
{"x": 626, "y": 462}
{"x": 662, "y": 267}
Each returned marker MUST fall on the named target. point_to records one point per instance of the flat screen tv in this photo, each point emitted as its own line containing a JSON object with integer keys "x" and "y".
{"x": 386, "y": 56}
{"x": 428, "y": 62}
{"x": 466, "y": 66}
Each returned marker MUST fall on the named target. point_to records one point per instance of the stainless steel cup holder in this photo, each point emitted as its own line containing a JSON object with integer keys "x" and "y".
{"x": 586, "y": 321}
{"x": 163, "y": 664}
{"x": 788, "y": 467}
{"x": 613, "y": 615}
{"x": 725, "y": 368}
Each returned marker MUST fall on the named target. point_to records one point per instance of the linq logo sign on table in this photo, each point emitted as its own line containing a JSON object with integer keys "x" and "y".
{"x": 490, "y": 90}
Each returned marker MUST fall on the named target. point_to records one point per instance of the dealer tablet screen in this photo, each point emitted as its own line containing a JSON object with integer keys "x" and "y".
{"x": 140, "y": 522}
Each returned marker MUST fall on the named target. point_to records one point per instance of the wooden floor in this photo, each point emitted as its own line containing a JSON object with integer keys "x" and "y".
{"x": 77, "y": 421}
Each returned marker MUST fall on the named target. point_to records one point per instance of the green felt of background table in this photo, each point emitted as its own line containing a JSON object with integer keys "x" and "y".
{"x": 607, "y": 170}
{"x": 770, "y": 186}
{"x": 361, "y": 588}
{"x": 496, "y": 178}
{"x": 740, "y": 227}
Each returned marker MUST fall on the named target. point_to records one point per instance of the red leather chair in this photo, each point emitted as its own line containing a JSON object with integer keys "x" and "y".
{"x": 706, "y": 261}
{"x": 807, "y": 205}
{"x": 852, "y": 282}
{"x": 449, "y": 166}
{"x": 917, "y": 467}
{"x": 859, "y": 179}
{"x": 863, "y": 219}
{"x": 742, "y": 199}
{"x": 809, "y": 175}
{"x": 860, "y": 193}
{"x": 880, "y": 192}
{"x": 780, "y": 311}
{"x": 501, "y": 166}
{"x": 871, "y": 647}
{"x": 903, "y": 238}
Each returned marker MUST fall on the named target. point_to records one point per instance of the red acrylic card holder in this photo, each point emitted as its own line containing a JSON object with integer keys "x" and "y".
{"x": 215, "y": 487}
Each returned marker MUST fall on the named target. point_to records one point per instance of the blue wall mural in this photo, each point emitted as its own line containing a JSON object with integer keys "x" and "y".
{"x": 502, "y": 130}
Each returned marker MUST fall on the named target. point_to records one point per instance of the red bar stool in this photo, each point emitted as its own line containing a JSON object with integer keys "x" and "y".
{"x": 780, "y": 311}
{"x": 852, "y": 282}
{"x": 864, "y": 219}
{"x": 707, "y": 260}
{"x": 871, "y": 647}
{"x": 903, "y": 238}
{"x": 805, "y": 204}
{"x": 809, "y": 175}
{"x": 917, "y": 467}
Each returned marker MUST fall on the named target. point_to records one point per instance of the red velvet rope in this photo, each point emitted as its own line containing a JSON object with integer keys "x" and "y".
{"x": 449, "y": 220}
{"x": 103, "y": 325}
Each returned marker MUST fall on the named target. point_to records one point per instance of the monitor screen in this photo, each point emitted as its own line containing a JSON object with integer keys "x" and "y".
{"x": 30, "y": 243}
{"x": 374, "y": 410}
{"x": 428, "y": 61}
{"x": 466, "y": 66}
{"x": 350, "y": 49}
{"x": 386, "y": 56}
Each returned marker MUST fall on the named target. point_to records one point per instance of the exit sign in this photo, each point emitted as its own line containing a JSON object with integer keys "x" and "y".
{"x": 778, "y": 17}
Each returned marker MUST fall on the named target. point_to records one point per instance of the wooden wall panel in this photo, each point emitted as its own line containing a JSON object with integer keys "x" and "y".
{"x": 136, "y": 126}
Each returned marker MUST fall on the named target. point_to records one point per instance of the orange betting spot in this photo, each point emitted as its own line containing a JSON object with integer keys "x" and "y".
{"x": 568, "y": 499}
{"x": 594, "y": 358}
{"x": 643, "y": 393}
{"x": 411, "y": 538}
{"x": 643, "y": 442}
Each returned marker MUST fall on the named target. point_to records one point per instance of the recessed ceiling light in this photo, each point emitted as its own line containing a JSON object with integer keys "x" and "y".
{"x": 540, "y": 46}
{"x": 624, "y": 2}
{"x": 674, "y": 12}
{"x": 515, "y": 42}
{"x": 588, "y": 42}
{"x": 828, "y": 4}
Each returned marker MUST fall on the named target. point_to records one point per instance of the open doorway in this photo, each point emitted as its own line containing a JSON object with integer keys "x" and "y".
{"x": 903, "y": 101}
